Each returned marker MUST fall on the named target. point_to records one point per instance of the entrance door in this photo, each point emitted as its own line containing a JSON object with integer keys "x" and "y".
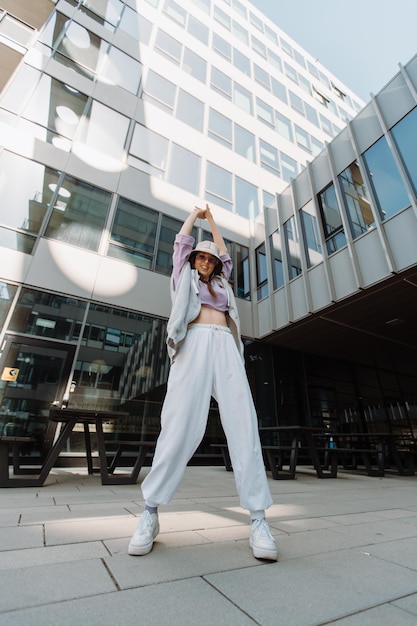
{"x": 33, "y": 375}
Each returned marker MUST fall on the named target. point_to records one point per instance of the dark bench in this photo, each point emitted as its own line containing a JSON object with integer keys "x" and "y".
{"x": 13, "y": 443}
{"x": 143, "y": 449}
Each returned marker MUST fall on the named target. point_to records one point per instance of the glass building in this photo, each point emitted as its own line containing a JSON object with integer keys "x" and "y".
{"x": 116, "y": 118}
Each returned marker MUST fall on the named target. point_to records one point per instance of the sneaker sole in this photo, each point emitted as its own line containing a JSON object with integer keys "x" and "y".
{"x": 140, "y": 550}
{"x": 265, "y": 555}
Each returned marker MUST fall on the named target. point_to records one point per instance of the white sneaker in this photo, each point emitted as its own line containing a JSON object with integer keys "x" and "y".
{"x": 142, "y": 539}
{"x": 261, "y": 541}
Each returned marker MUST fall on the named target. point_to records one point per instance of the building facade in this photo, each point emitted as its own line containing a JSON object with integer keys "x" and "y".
{"x": 116, "y": 118}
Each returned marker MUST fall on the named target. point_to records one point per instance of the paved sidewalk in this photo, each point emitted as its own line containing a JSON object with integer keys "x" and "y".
{"x": 347, "y": 554}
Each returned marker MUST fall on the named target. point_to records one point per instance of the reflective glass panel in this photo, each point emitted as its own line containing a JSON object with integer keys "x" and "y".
{"x": 103, "y": 132}
{"x": 24, "y": 199}
{"x": 169, "y": 228}
{"x": 184, "y": 170}
{"x": 242, "y": 98}
{"x": 150, "y": 151}
{"x": 50, "y": 315}
{"x": 56, "y": 106}
{"x": 245, "y": 143}
{"x": 219, "y": 186}
{"x": 78, "y": 218}
{"x": 122, "y": 70}
{"x": 194, "y": 65}
{"x": 405, "y": 133}
{"x": 269, "y": 157}
{"x": 220, "y": 128}
{"x": 389, "y": 190}
{"x": 358, "y": 206}
{"x": 134, "y": 229}
{"x": 332, "y": 219}
{"x": 246, "y": 198}
{"x": 198, "y": 30}
{"x": 82, "y": 47}
{"x": 311, "y": 235}
{"x": 241, "y": 62}
{"x": 190, "y": 110}
{"x": 136, "y": 26}
{"x": 292, "y": 243}
{"x": 160, "y": 91}
{"x": 277, "y": 266}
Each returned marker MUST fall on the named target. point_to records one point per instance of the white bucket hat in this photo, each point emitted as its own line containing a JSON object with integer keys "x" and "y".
{"x": 211, "y": 248}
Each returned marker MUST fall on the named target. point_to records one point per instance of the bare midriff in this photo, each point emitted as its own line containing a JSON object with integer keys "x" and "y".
{"x": 210, "y": 316}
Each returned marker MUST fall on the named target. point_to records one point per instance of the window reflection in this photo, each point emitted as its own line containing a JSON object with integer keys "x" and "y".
{"x": 133, "y": 234}
{"x": 148, "y": 151}
{"x": 358, "y": 207}
{"x": 48, "y": 315}
{"x": 81, "y": 49}
{"x": 311, "y": 235}
{"x": 246, "y": 198}
{"x": 262, "y": 289}
{"x": 332, "y": 220}
{"x": 23, "y": 203}
{"x": 389, "y": 190}
{"x": 277, "y": 265}
{"x": 79, "y": 217}
{"x": 184, "y": 169}
{"x": 292, "y": 243}
{"x": 219, "y": 186}
{"x": 405, "y": 133}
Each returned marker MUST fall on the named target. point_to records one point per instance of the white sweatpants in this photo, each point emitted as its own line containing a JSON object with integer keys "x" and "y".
{"x": 208, "y": 364}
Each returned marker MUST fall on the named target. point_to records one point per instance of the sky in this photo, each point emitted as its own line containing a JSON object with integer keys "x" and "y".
{"x": 361, "y": 42}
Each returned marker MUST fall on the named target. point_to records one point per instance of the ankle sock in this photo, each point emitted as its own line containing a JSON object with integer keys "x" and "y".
{"x": 152, "y": 509}
{"x": 257, "y": 515}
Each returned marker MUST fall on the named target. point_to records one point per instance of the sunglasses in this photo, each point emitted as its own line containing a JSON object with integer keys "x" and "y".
{"x": 206, "y": 258}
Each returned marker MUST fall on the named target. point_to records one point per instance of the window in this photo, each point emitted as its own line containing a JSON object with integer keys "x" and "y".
{"x": 246, "y": 199}
{"x": 222, "y": 17}
{"x": 356, "y": 200}
{"x": 275, "y": 60}
{"x": 148, "y": 151}
{"x": 262, "y": 290}
{"x": 198, "y": 30}
{"x": 311, "y": 235}
{"x": 241, "y": 271}
{"x": 81, "y": 49}
{"x": 219, "y": 186}
{"x": 289, "y": 167}
{"x": 79, "y": 216}
{"x": 160, "y": 91}
{"x": 204, "y": 5}
{"x": 23, "y": 206}
{"x": 220, "y": 128}
{"x": 296, "y": 103}
{"x": 133, "y": 234}
{"x": 103, "y": 131}
{"x": 242, "y": 98}
{"x": 184, "y": 170}
{"x": 302, "y": 139}
{"x": 221, "y": 83}
{"x": 269, "y": 157}
{"x": 283, "y": 126}
{"x": 194, "y": 65}
{"x": 389, "y": 190}
{"x": 241, "y": 62}
{"x": 120, "y": 69}
{"x": 277, "y": 265}
{"x": 332, "y": 219}
{"x": 221, "y": 46}
{"x": 240, "y": 32}
{"x": 326, "y": 125}
{"x": 170, "y": 47}
{"x": 190, "y": 110}
{"x": 245, "y": 143}
{"x": 109, "y": 12}
{"x": 291, "y": 73}
{"x": 279, "y": 90}
{"x": 169, "y": 228}
{"x": 264, "y": 112}
{"x": 136, "y": 26}
{"x": 311, "y": 114}
{"x": 404, "y": 134}
{"x": 261, "y": 76}
{"x": 292, "y": 244}
{"x": 271, "y": 34}
{"x": 259, "y": 47}
{"x": 55, "y": 106}
{"x": 175, "y": 12}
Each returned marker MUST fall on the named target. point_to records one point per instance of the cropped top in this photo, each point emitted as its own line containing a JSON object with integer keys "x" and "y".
{"x": 183, "y": 247}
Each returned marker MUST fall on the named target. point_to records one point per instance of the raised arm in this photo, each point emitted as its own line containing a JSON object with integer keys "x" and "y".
{"x": 217, "y": 237}
{"x": 187, "y": 227}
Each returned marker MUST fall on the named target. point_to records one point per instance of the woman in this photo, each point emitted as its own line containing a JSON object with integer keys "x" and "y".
{"x": 206, "y": 354}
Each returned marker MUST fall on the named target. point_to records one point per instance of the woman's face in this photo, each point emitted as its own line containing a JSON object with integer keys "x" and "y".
{"x": 205, "y": 263}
